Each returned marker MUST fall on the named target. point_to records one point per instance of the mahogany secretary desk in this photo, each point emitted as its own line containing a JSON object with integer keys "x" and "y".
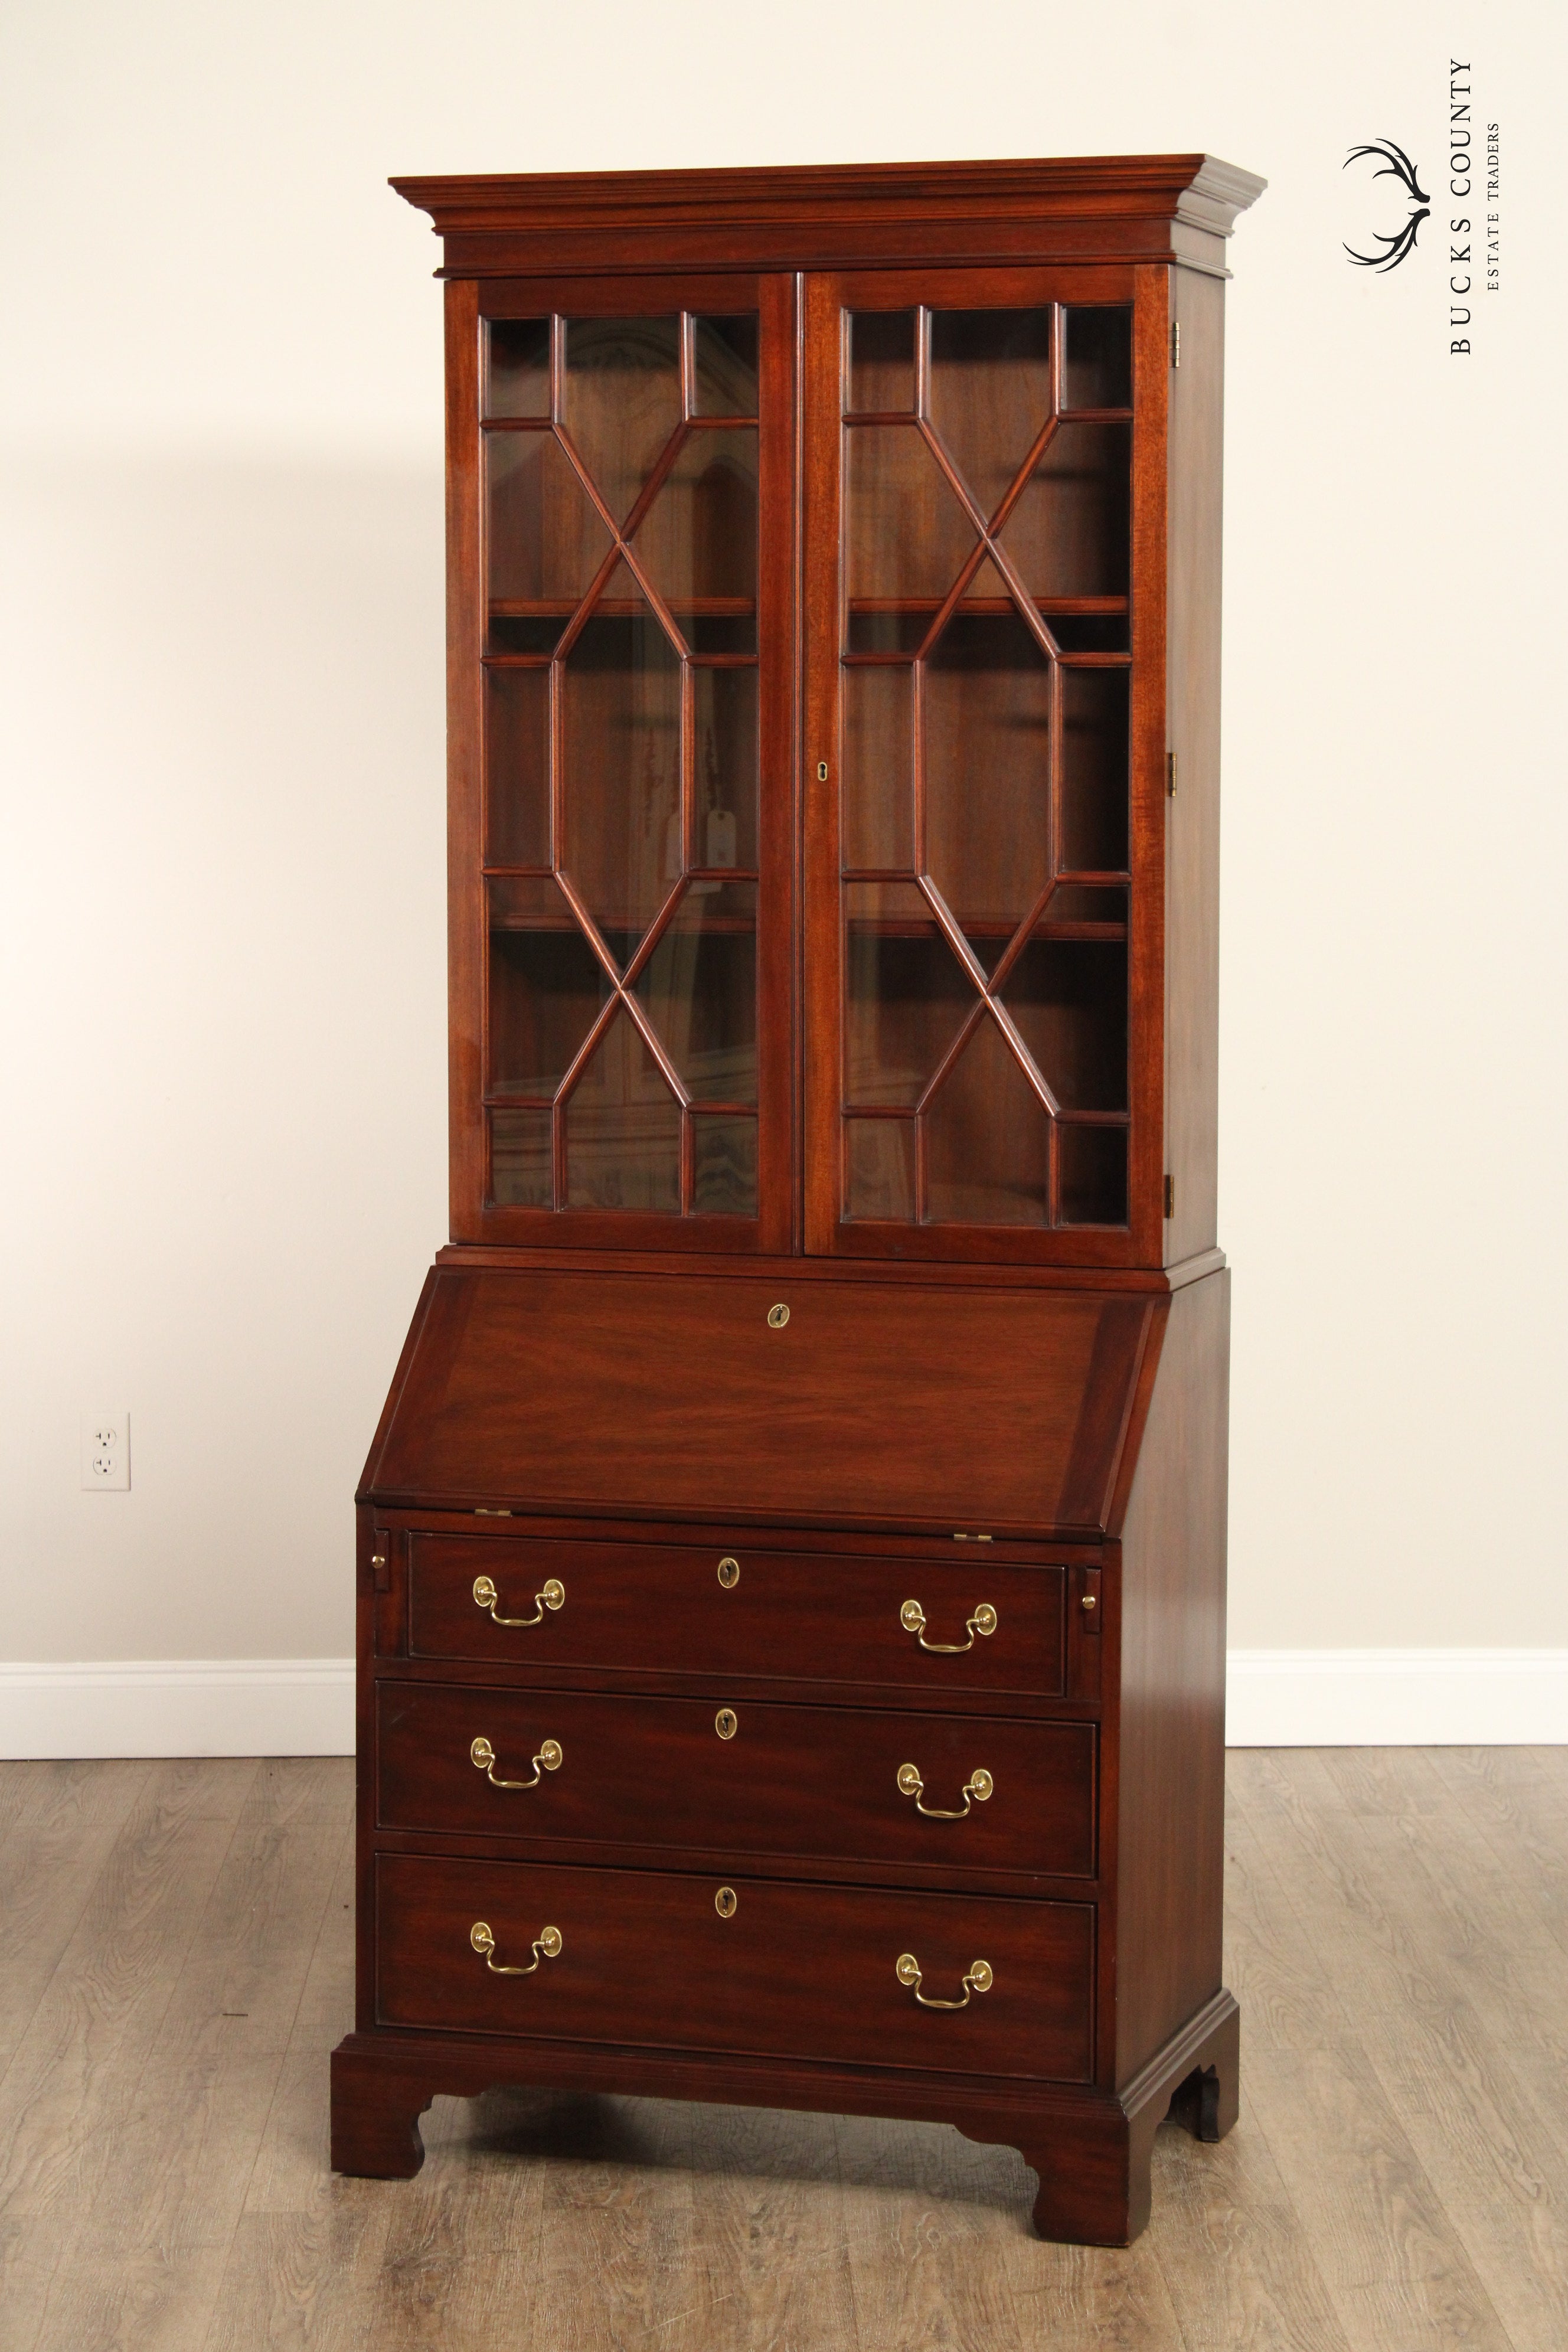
{"x": 791, "y": 1560}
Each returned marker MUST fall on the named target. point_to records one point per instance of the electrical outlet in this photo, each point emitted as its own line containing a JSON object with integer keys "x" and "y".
{"x": 106, "y": 1450}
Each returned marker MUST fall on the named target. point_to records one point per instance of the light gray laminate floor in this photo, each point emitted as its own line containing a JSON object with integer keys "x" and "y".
{"x": 175, "y": 1964}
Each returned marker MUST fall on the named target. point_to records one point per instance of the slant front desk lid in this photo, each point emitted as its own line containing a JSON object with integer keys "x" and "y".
{"x": 865, "y": 1404}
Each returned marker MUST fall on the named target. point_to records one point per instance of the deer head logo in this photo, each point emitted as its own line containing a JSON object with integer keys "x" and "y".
{"x": 1396, "y": 166}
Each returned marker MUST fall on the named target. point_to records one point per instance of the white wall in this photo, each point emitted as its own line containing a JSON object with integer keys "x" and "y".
{"x": 223, "y": 1080}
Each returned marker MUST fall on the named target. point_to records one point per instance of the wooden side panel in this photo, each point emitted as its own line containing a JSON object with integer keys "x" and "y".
{"x": 1171, "y": 1792}
{"x": 862, "y": 1402}
{"x": 1192, "y": 816}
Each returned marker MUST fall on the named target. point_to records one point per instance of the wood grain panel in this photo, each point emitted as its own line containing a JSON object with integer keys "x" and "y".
{"x": 872, "y": 1404}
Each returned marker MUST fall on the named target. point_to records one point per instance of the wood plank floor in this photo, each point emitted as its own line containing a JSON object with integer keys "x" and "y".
{"x": 175, "y": 1964}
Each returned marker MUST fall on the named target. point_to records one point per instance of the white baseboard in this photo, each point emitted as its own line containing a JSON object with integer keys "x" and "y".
{"x": 1396, "y": 1698}
{"x": 179, "y": 1707}
{"x": 304, "y": 1706}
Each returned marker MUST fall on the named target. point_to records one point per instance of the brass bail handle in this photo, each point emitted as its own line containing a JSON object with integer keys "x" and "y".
{"x": 978, "y": 1786}
{"x": 977, "y": 1978}
{"x": 546, "y": 1946}
{"x": 913, "y": 1617}
{"x": 482, "y": 1755}
{"x": 550, "y": 1595}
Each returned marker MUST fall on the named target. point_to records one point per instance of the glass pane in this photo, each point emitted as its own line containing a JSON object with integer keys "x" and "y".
{"x": 1092, "y": 1175}
{"x": 1069, "y": 534}
{"x": 1099, "y": 371}
{"x": 536, "y": 633}
{"x": 1090, "y": 633}
{"x": 516, "y": 379}
{"x": 699, "y": 990}
{"x": 1068, "y": 998}
{"x": 906, "y": 993}
{"x": 881, "y": 1169}
{"x": 1094, "y": 771}
{"x": 881, "y": 362}
{"x": 724, "y": 1167}
{"x": 521, "y": 1169}
{"x": 622, "y": 400}
{"x": 987, "y": 1141}
{"x": 544, "y": 541}
{"x": 724, "y": 709}
{"x": 621, "y": 756}
{"x": 906, "y": 534}
{"x": 990, "y": 393}
{"x": 546, "y": 987}
{"x": 623, "y": 1129}
{"x": 1070, "y": 906}
{"x": 725, "y": 351}
{"x": 517, "y": 767}
{"x": 988, "y": 777}
{"x": 878, "y": 745}
{"x": 698, "y": 540}
{"x": 892, "y": 632}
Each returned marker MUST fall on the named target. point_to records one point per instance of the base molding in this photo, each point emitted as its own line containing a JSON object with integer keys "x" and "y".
{"x": 1396, "y": 1698}
{"x": 1092, "y": 2148}
{"x": 304, "y": 1706}
{"x": 178, "y": 1706}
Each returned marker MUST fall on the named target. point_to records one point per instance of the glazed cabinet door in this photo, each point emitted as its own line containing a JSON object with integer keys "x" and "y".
{"x": 621, "y": 538}
{"x": 984, "y": 743}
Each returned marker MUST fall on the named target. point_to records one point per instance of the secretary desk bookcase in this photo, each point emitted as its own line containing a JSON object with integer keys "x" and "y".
{"x": 791, "y": 1560}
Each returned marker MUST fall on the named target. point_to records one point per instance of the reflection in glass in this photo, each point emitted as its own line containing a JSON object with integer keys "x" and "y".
{"x": 877, "y": 786}
{"x": 881, "y": 362}
{"x": 906, "y": 533}
{"x": 621, "y": 752}
{"x": 725, "y": 1166}
{"x": 623, "y": 1129}
{"x": 1099, "y": 372}
{"x": 987, "y": 1139}
{"x": 990, "y": 393}
{"x": 1068, "y": 999}
{"x": 699, "y": 537}
{"x": 545, "y": 539}
{"x": 699, "y": 990}
{"x": 517, "y": 767}
{"x": 905, "y": 994}
{"x": 1069, "y": 534}
{"x": 1092, "y": 1164}
{"x": 622, "y": 400}
{"x": 546, "y": 985}
{"x": 521, "y": 1175}
{"x": 987, "y": 763}
{"x": 725, "y": 354}
{"x": 1094, "y": 771}
{"x": 517, "y": 376}
{"x": 724, "y": 712}
{"x": 881, "y": 1169}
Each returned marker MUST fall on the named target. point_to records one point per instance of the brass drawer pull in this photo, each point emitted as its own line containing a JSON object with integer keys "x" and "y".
{"x": 979, "y": 1786}
{"x": 913, "y": 1617}
{"x": 483, "y": 1758}
{"x": 977, "y": 1978}
{"x": 546, "y": 1944}
{"x": 550, "y": 1596}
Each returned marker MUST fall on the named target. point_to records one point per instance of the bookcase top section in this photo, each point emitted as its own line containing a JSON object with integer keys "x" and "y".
{"x": 1087, "y": 208}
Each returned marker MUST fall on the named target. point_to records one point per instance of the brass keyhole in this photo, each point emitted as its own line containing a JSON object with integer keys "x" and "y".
{"x": 777, "y": 1316}
{"x": 822, "y": 771}
{"x": 729, "y": 1574}
{"x": 726, "y": 1723}
{"x": 726, "y": 1903}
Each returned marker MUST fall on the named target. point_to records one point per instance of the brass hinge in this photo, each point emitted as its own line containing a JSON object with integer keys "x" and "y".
{"x": 1175, "y": 343}
{"x": 1170, "y": 1196}
{"x": 1170, "y": 775}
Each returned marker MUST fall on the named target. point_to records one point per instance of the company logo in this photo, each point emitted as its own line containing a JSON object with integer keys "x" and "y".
{"x": 1395, "y": 164}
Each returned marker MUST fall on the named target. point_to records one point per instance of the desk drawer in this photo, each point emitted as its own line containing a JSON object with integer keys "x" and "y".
{"x": 785, "y": 1780}
{"x": 645, "y": 1958}
{"x": 796, "y": 1616}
